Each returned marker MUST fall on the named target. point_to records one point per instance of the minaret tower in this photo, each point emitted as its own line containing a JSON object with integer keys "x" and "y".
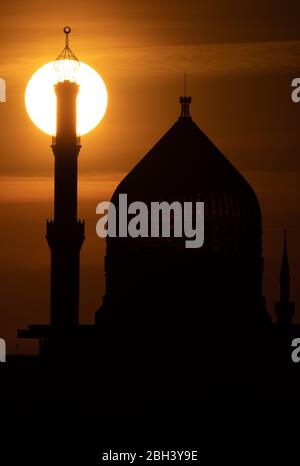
{"x": 284, "y": 309}
{"x": 65, "y": 233}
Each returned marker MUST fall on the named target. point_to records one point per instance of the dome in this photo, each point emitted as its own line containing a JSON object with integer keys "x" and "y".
{"x": 185, "y": 165}
{"x": 159, "y": 278}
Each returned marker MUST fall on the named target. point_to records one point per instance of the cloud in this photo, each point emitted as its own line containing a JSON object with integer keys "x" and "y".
{"x": 206, "y": 59}
{"x": 168, "y": 60}
{"x": 21, "y": 189}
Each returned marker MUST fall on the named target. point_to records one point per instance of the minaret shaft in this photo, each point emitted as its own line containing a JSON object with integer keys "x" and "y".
{"x": 66, "y": 153}
{"x": 65, "y": 234}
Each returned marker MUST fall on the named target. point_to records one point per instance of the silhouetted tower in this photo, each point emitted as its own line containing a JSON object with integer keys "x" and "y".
{"x": 65, "y": 234}
{"x": 284, "y": 309}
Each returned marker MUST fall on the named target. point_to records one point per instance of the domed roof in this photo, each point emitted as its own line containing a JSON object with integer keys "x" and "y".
{"x": 158, "y": 279}
{"x": 185, "y": 165}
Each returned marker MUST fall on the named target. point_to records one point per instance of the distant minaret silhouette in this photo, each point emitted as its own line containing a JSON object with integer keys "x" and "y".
{"x": 65, "y": 234}
{"x": 185, "y": 102}
{"x": 284, "y": 309}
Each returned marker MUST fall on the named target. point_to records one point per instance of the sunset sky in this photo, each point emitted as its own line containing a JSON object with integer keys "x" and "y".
{"x": 240, "y": 58}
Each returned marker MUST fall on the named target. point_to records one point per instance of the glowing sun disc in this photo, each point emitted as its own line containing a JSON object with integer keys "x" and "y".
{"x": 40, "y": 98}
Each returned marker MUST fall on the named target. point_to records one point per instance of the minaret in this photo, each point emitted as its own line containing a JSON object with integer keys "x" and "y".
{"x": 284, "y": 309}
{"x": 65, "y": 233}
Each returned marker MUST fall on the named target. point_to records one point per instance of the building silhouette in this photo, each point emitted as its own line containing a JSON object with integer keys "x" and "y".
{"x": 158, "y": 292}
{"x": 156, "y": 287}
{"x": 183, "y": 350}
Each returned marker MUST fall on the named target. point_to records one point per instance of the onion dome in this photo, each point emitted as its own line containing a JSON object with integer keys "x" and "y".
{"x": 185, "y": 165}
{"x": 220, "y": 282}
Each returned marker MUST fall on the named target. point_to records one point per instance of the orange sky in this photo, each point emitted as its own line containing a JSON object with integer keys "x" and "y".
{"x": 240, "y": 61}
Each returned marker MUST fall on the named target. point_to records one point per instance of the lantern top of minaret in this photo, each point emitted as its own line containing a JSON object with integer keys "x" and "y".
{"x": 66, "y": 64}
{"x": 185, "y": 103}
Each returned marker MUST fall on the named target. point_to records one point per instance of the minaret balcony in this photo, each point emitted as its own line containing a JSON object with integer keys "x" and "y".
{"x": 77, "y": 141}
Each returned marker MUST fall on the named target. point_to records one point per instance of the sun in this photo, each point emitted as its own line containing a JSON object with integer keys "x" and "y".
{"x": 40, "y": 98}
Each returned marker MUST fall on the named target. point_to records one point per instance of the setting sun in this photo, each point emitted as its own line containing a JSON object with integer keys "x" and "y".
{"x": 40, "y": 98}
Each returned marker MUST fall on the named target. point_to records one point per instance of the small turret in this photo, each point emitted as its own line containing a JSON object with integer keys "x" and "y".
{"x": 284, "y": 309}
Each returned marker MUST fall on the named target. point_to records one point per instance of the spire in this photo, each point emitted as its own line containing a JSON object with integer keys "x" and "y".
{"x": 285, "y": 273}
{"x": 185, "y": 102}
{"x": 284, "y": 308}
